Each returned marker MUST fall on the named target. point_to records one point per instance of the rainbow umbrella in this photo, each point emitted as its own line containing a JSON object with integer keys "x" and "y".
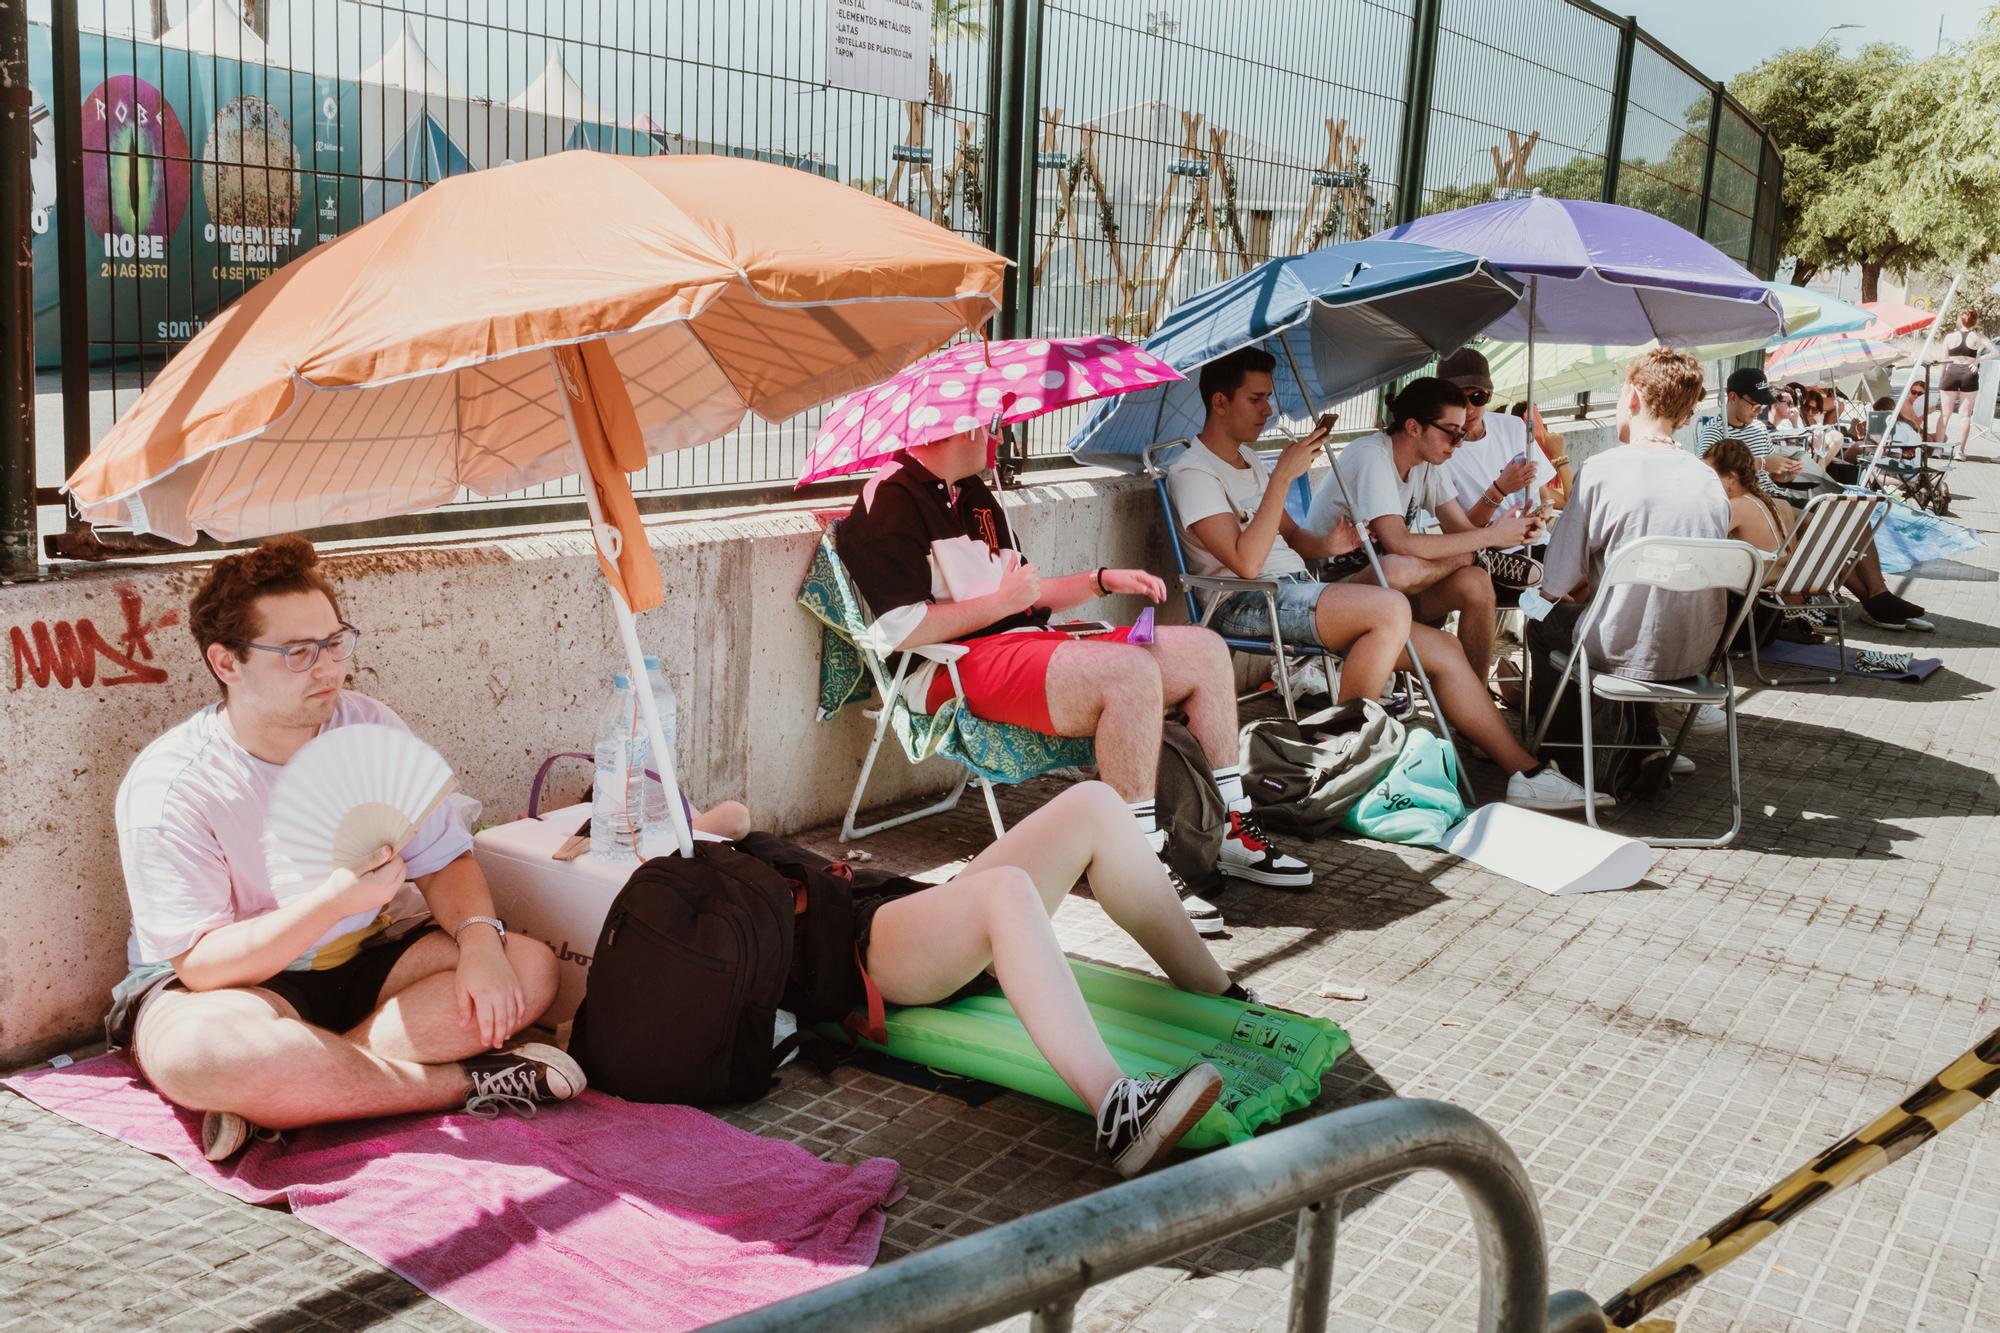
{"x": 1811, "y": 360}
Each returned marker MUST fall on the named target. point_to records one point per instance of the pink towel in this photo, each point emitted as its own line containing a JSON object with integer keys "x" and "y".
{"x": 595, "y": 1214}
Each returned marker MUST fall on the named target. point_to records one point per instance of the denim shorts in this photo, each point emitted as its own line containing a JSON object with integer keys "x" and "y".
{"x": 1245, "y": 615}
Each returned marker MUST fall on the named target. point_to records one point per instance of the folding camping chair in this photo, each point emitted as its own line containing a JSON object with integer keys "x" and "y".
{"x": 1812, "y": 564}
{"x": 1674, "y": 565}
{"x": 851, "y": 669}
{"x": 1283, "y": 655}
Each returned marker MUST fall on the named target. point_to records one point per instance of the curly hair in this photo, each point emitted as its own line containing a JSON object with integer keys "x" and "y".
{"x": 1669, "y": 382}
{"x": 224, "y": 609}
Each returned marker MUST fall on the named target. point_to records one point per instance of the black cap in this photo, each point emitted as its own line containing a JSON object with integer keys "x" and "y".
{"x": 1467, "y": 369}
{"x": 1750, "y": 383}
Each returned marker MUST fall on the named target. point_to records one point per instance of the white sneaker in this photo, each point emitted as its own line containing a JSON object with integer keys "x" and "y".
{"x": 1203, "y": 915}
{"x": 1708, "y": 719}
{"x": 1683, "y": 766}
{"x": 1550, "y": 790}
{"x": 1248, "y": 853}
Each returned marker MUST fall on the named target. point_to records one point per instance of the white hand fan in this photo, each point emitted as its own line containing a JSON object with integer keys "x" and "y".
{"x": 348, "y": 793}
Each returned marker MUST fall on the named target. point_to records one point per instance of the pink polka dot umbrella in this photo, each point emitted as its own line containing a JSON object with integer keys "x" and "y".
{"x": 974, "y": 384}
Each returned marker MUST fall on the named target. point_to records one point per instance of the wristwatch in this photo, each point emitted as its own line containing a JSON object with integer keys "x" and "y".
{"x": 492, "y": 921}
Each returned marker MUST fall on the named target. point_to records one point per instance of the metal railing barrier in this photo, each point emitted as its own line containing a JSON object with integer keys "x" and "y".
{"x": 1046, "y": 1261}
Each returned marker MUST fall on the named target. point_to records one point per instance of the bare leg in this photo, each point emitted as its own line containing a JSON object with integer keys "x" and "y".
{"x": 1369, "y": 625}
{"x": 997, "y": 910}
{"x": 1081, "y": 835}
{"x": 419, "y": 1018}
{"x": 1865, "y": 579}
{"x": 247, "y": 1051}
{"x": 1469, "y": 591}
{"x": 726, "y": 819}
{"x": 1111, "y": 693}
{"x": 1462, "y": 696}
{"x": 1196, "y": 677}
{"x": 1410, "y": 574}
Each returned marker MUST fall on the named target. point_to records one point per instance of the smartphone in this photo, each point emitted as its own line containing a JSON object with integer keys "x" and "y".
{"x": 1326, "y": 420}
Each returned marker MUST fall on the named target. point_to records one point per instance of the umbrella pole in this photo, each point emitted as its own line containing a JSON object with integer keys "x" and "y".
{"x": 1527, "y": 495}
{"x": 608, "y": 542}
{"x": 1375, "y": 563}
{"x": 1930, "y": 338}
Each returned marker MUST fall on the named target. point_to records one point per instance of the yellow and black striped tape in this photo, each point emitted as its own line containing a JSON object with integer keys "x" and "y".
{"x": 1920, "y": 1117}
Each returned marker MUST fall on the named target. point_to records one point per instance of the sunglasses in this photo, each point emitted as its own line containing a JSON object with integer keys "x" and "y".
{"x": 1478, "y": 397}
{"x": 1456, "y": 434}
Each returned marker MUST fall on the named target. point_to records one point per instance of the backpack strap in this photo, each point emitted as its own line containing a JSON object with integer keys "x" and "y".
{"x": 874, "y": 1027}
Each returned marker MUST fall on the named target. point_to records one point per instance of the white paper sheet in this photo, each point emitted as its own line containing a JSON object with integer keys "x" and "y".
{"x": 1557, "y": 856}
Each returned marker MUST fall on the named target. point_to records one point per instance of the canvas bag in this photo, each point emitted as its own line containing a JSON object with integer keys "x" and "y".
{"x": 1188, "y": 807}
{"x": 1305, "y": 776}
{"x": 1417, "y": 800}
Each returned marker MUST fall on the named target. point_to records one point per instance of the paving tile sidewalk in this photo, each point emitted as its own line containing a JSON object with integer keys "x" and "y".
{"x": 1655, "y": 1057}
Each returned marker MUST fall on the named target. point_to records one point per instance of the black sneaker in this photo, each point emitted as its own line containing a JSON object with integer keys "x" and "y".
{"x": 1142, "y": 1119}
{"x": 1510, "y": 569}
{"x": 524, "y": 1078}
{"x": 1248, "y": 853}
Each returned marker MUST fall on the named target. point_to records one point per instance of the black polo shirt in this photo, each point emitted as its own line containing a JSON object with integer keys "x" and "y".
{"x": 885, "y": 541}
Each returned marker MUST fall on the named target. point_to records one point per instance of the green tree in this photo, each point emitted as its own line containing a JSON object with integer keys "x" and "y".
{"x": 1821, "y": 109}
{"x": 1941, "y": 130}
{"x": 958, "y": 18}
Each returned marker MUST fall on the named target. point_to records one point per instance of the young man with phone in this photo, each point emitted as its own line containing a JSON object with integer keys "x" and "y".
{"x": 1232, "y": 508}
{"x": 898, "y": 543}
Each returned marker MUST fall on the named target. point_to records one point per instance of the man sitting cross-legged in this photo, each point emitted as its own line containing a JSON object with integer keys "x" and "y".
{"x": 1017, "y": 670}
{"x": 1394, "y": 477}
{"x": 1233, "y": 510}
{"x": 279, "y": 1015}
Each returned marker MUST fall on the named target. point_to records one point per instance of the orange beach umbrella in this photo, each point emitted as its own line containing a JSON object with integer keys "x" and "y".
{"x": 569, "y": 315}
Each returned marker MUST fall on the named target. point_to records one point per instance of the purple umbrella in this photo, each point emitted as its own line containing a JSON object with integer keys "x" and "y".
{"x": 1605, "y": 274}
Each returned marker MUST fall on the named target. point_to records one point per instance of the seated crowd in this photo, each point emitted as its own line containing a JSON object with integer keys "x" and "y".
{"x": 269, "y": 1014}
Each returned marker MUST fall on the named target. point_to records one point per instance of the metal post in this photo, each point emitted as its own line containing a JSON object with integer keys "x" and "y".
{"x": 75, "y": 292}
{"x": 1003, "y": 163}
{"x": 1708, "y": 165}
{"x": 1621, "y": 97}
{"x": 1417, "y": 110}
{"x": 17, "y": 301}
{"x": 1026, "y": 111}
{"x": 1312, "y": 1266}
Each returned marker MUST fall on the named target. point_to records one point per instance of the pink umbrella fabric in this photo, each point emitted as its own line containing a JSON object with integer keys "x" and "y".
{"x": 1893, "y": 319}
{"x": 969, "y": 385}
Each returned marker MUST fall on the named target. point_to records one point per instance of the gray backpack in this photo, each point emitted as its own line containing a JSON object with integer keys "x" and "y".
{"x": 1190, "y": 809}
{"x": 1304, "y": 776}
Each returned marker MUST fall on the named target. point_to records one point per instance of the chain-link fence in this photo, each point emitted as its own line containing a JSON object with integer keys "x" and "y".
{"x": 1157, "y": 146}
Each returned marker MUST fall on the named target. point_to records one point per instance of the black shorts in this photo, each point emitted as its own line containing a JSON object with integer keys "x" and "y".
{"x": 1959, "y": 378}
{"x": 336, "y": 998}
{"x": 865, "y": 907}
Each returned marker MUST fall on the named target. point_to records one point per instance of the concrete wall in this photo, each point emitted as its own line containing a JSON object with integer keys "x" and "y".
{"x": 497, "y": 649}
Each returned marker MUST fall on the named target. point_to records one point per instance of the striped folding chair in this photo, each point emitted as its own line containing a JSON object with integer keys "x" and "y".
{"x": 1811, "y": 566}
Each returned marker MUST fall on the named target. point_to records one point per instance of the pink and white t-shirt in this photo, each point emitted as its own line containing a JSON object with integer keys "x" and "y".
{"x": 191, "y": 836}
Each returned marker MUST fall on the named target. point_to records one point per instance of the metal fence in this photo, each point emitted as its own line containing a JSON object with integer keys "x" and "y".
{"x": 1124, "y": 153}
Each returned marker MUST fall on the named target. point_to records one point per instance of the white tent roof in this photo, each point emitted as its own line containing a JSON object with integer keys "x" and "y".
{"x": 404, "y": 65}
{"x": 556, "y": 95}
{"x": 214, "y": 27}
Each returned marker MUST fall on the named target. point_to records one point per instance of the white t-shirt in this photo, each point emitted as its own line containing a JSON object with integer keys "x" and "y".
{"x": 1368, "y": 466}
{"x": 1477, "y": 463}
{"x": 1202, "y": 486}
{"x": 191, "y": 836}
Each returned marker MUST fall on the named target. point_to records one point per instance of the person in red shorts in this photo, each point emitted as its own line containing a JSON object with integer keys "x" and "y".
{"x": 1018, "y": 670}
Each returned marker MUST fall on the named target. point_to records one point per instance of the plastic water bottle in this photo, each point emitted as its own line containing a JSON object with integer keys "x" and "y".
{"x": 614, "y": 814}
{"x": 656, "y": 826}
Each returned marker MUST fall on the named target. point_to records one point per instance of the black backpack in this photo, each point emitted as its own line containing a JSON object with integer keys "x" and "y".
{"x": 696, "y": 956}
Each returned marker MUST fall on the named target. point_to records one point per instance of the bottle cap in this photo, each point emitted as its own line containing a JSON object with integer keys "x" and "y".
{"x": 619, "y": 682}
{"x": 652, "y": 664}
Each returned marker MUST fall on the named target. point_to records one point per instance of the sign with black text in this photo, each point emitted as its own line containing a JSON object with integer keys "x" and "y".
{"x": 880, "y": 46}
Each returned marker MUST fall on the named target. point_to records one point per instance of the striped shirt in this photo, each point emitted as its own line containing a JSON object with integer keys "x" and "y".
{"x": 1755, "y": 436}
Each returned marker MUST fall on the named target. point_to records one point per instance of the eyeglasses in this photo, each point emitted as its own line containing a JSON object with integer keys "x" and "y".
{"x": 305, "y": 656}
{"x": 1478, "y": 397}
{"x": 1456, "y": 434}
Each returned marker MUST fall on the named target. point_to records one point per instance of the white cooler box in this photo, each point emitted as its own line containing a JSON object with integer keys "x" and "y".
{"x": 561, "y": 903}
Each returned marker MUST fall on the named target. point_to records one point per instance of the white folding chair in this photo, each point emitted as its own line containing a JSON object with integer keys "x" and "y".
{"x": 1813, "y": 563}
{"x": 1680, "y": 565}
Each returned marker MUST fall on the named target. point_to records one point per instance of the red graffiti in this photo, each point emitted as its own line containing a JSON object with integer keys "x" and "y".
{"x": 69, "y": 653}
